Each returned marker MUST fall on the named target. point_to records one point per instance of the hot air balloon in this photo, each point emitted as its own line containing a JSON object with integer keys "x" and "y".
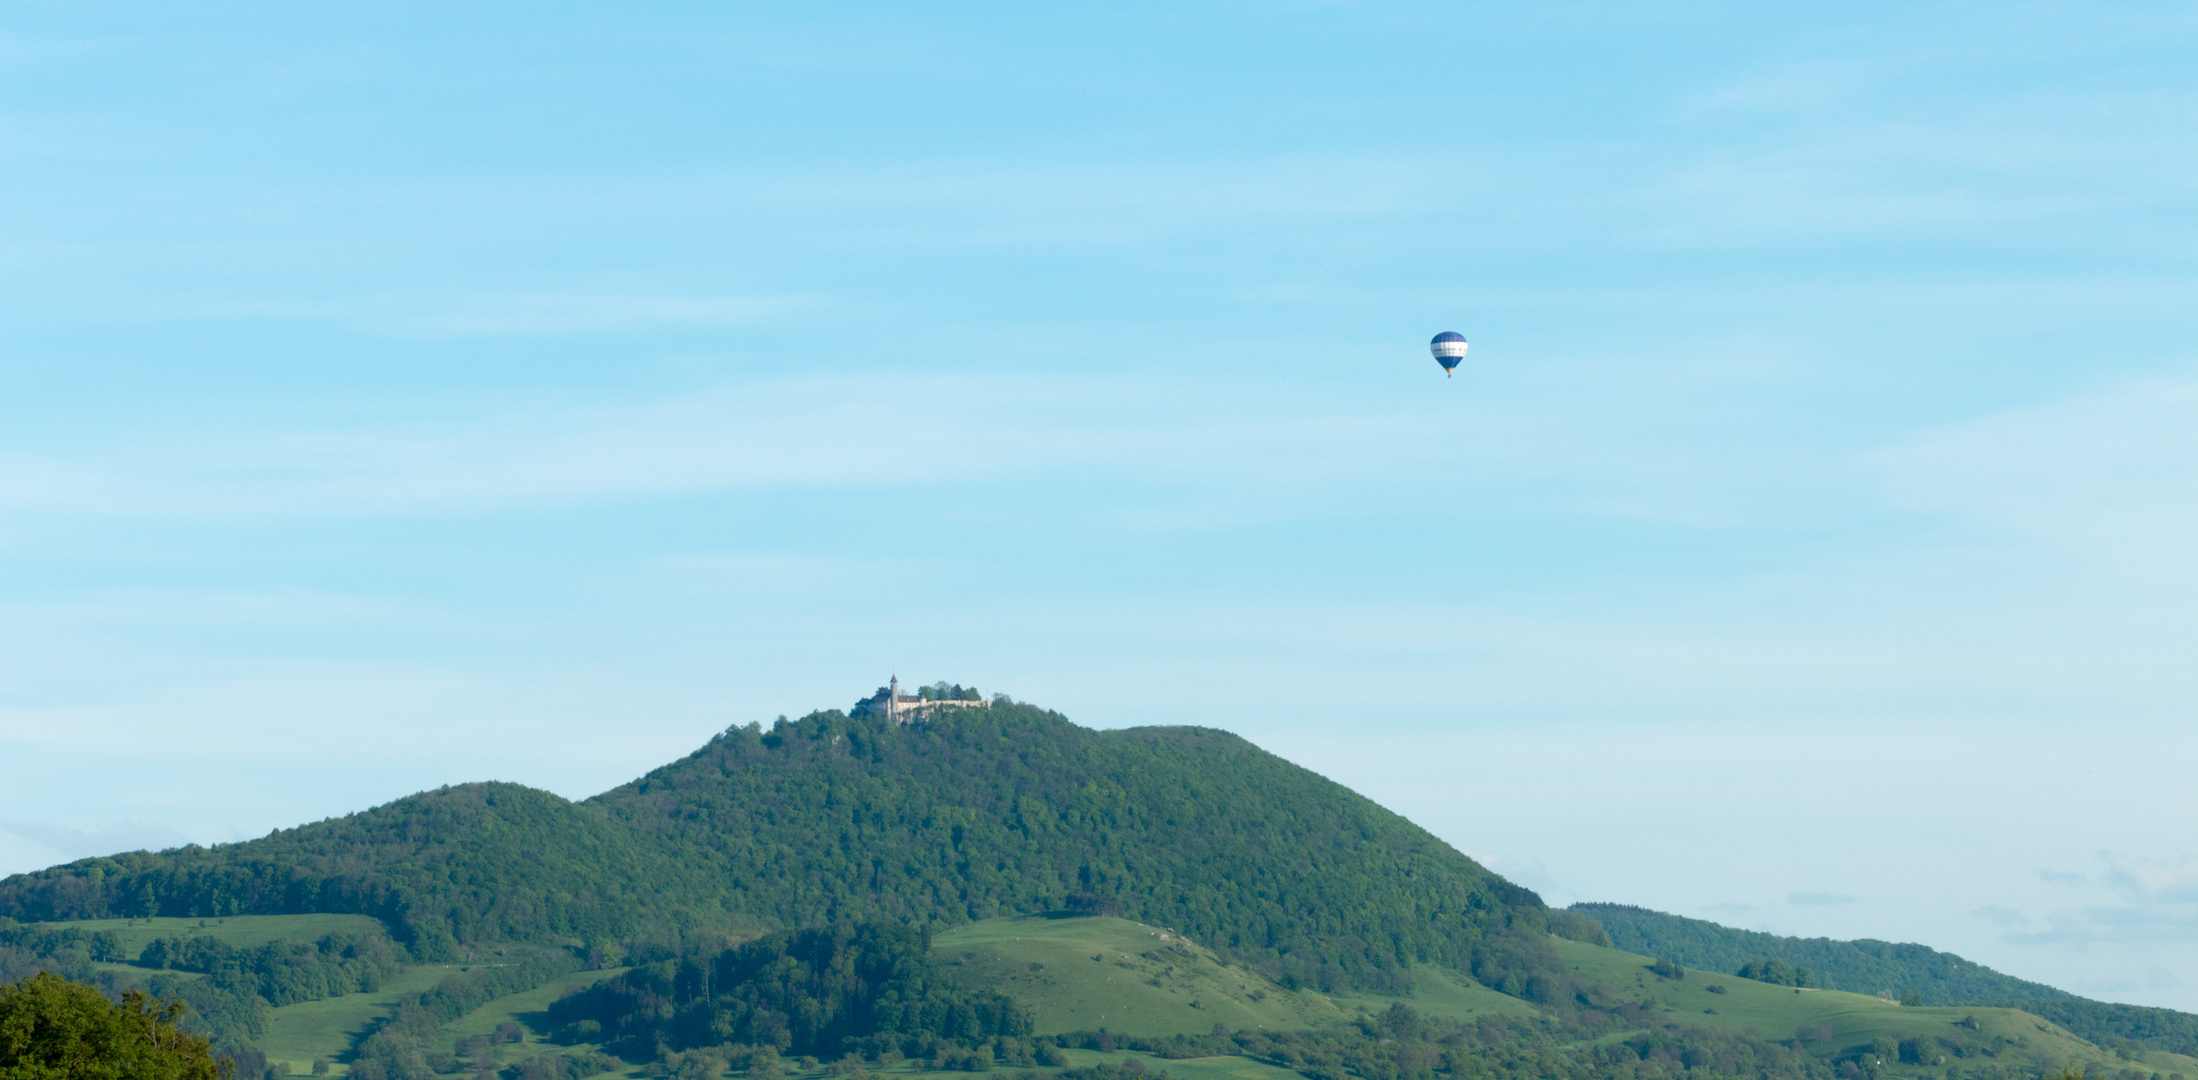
{"x": 1449, "y": 348}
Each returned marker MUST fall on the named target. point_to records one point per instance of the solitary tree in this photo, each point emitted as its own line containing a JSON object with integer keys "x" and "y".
{"x": 54, "y": 1029}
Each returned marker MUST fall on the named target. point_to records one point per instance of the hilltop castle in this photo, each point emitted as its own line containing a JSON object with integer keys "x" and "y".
{"x": 909, "y": 708}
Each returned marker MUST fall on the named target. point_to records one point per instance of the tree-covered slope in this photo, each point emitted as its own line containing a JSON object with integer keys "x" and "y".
{"x": 469, "y": 863}
{"x": 1863, "y": 967}
{"x": 978, "y": 813}
{"x": 1012, "y": 810}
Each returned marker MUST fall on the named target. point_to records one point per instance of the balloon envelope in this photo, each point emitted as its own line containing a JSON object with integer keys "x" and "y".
{"x": 1449, "y": 348}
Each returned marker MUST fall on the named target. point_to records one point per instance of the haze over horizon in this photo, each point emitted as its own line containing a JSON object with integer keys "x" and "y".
{"x": 408, "y": 397}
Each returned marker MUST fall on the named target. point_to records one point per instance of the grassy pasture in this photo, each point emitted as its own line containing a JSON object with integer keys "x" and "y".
{"x": 240, "y": 930}
{"x": 1441, "y": 992}
{"x": 1080, "y": 974}
{"x": 1212, "y": 1068}
{"x": 529, "y": 1009}
{"x": 326, "y": 1028}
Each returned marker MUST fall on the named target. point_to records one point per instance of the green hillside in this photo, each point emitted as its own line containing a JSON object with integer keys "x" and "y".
{"x": 1863, "y": 967}
{"x": 2123, "y": 1028}
{"x": 1836, "y": 1024}
{"x": 977, "y": 814}
{"x": 478, "y": 862}
{"x": 994, "y": 889}
{"x": 1167, "y": 997}
{"x": 1080, "y": 974}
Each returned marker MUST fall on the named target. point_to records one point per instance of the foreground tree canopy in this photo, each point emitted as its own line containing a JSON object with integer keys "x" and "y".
{"x": 54, "y": 1029}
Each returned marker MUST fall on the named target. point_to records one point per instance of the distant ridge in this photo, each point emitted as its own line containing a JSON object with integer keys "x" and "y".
{"x": 1864, "y": 966}
{"x": 974, "y": 814}
{"x": 1867, "y": 966}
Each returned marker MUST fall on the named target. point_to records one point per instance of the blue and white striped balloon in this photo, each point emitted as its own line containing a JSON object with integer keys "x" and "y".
{"x": 1449, "y": 348}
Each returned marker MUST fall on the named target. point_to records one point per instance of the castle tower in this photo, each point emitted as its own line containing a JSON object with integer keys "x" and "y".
{"x": 893, "y": 699}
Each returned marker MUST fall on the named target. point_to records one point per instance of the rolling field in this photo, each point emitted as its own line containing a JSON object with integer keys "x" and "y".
{"x": 530, "y": 1011}
{"x": 325, "y": 1028}
{"x": 1441, "y": 992}
{"x": 1082, "y": 974}
{"x": 1211, "y": 1068}
{"x": 235, "y": 930}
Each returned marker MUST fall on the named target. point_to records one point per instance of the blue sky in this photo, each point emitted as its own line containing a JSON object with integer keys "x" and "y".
{"x": 401, "y": 397}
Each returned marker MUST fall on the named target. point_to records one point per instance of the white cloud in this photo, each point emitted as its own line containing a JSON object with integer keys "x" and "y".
{"x": 2154, "y": 881}
{"x": 566, "y": 312}
{"x": 2160, "y": 906}
{"x": 1819, "y": 899}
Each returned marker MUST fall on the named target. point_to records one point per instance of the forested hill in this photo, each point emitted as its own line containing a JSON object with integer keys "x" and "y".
{"x": 979, "y": 812}
{"x": 1864, "y": 967}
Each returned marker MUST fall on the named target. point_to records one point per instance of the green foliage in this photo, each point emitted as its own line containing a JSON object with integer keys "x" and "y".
{"x": 65, "y": 951}
{"x": 977, "y": 813}
{"x": 573, "y": 1066}
{"x": 1132, "y": 1069}
{"x": 1774, "y": 972}
{"x": 283, "y": 972}
{"x": 231, "y": 1019}
{"x": 1862, "y": 967}
{"x": 54, "y": 1029}
{"x": 1521, "y": 963}
{"x": 233, "y": 1005}
{"x": 824, "y": 992}
{"x": 1667, "y": 969}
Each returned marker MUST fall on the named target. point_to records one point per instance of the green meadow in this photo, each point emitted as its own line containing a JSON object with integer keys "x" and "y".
{"x": 240, "y": 930}
{"x": 1441, "y": 992}
{"x": 529, "y": 1010}
{"x": 1083, "y": 974}
{"x": 1211, "y": 1068}
{"x": 327, "y": 1028}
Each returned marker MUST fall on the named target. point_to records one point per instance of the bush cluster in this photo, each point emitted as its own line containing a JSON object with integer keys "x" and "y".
{"x": 849, "y": 988}
{"x": 283, "y": 972}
